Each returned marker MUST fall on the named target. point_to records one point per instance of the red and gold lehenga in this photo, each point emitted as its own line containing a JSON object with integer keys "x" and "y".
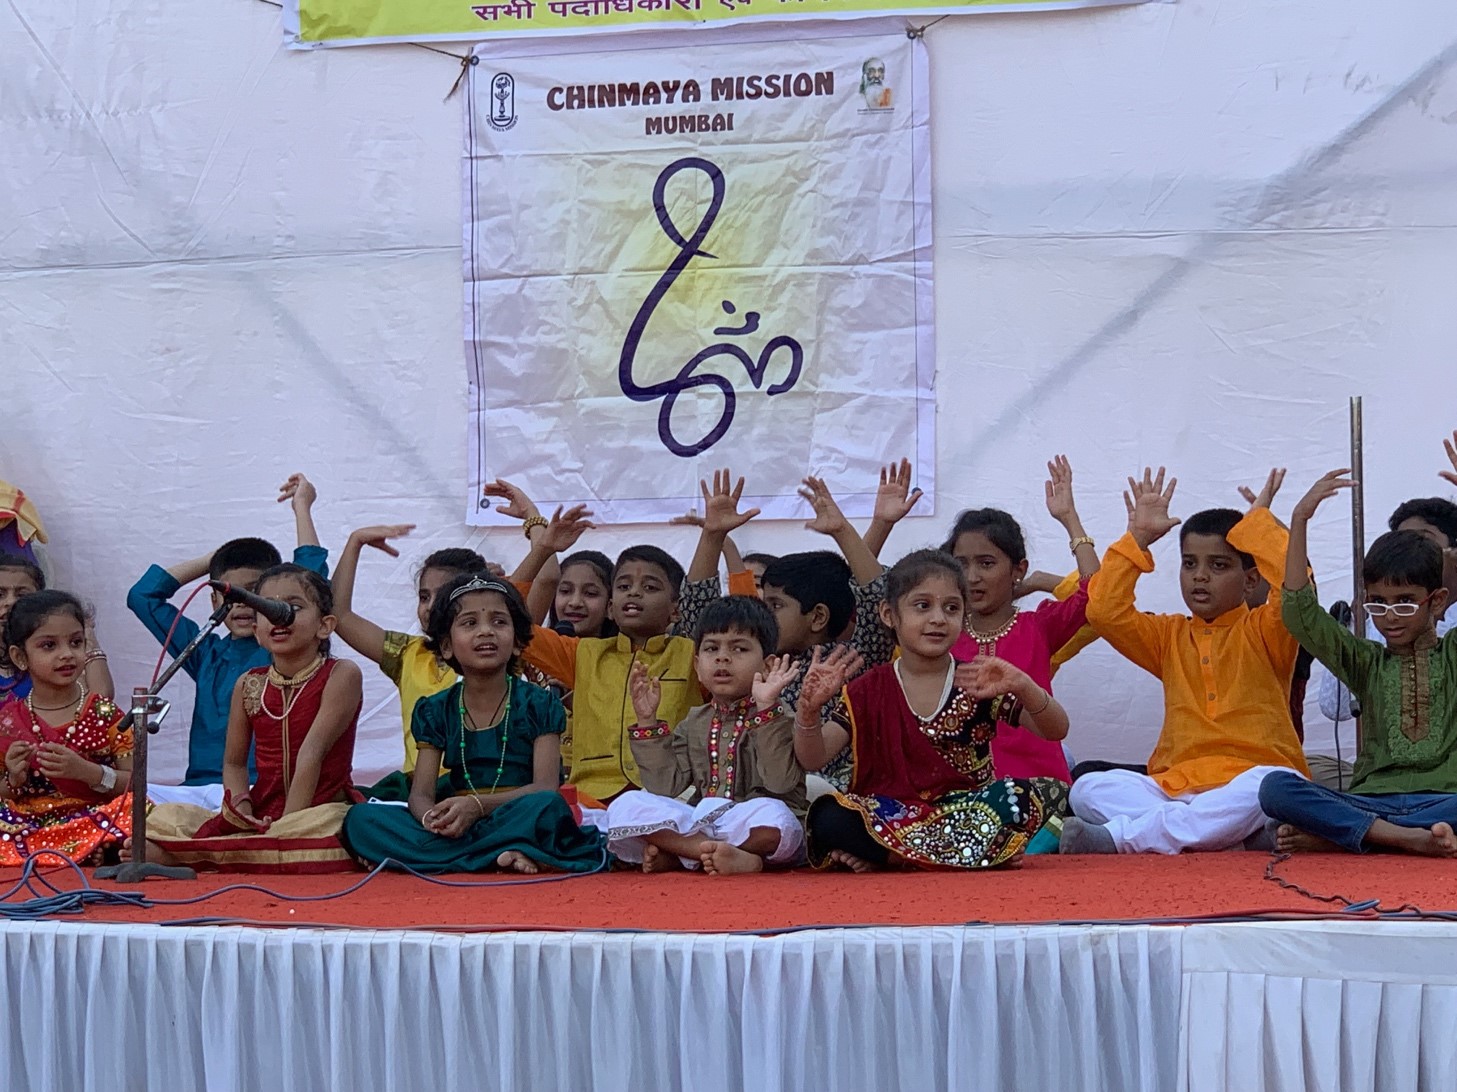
{"x": 63, "y": 815}
{"x": 925, "y": 788}
{"x": 306, "y": 841}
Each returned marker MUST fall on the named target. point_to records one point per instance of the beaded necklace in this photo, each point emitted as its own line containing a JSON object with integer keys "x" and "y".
{"x": 988, "y": 641}
{"x": 505, "y": 723}
{"x": 79, "y": 731}
{"x": 283, "y": 682}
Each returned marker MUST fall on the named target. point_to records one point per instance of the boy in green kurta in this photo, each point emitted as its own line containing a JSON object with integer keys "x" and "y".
{"x": 1404, "y": 792}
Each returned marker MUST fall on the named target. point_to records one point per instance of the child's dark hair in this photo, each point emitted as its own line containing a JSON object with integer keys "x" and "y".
{"x": 744, "y": 614}
{"x": 1441, "y": 514}
{"x": 600, "y": 564}
{"x": 452, "y": 559}
{"x": 1399, "y": 557}
{"x": 652, "y": 555}
{"x": 26, "y": 566}
{"x": 447, "y": 606}
{"x": 316, "y": 589}
{"x": 760, "y": 559}
{"x": 815, "y": 577}
{"x": 1215, "y": 521}
{"x": 915, "y": 568}
{"x": 31, "y": 611}
{"x": 1001, "y": 530}
{"x": 243, "y": 553}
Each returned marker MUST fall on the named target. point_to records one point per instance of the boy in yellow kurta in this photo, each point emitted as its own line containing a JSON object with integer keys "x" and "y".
{"x": 653, "y": 607}
{"x": 1226, "y": 676}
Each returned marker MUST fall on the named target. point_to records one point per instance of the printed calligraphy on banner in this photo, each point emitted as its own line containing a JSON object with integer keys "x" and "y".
{"x": 309, "y": 24}
{"x": 684, "y": 258}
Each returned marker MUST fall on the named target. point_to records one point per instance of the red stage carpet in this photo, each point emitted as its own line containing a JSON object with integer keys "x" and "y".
{"x": 1045, "y": 889}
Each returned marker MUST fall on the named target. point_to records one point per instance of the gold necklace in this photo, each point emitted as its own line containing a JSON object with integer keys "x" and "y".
{"x": 282, "y": 681}
{"x": 987, "y": 640}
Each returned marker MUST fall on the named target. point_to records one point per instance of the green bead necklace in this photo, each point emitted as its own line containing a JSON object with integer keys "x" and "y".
{"x": 465, "y": 719}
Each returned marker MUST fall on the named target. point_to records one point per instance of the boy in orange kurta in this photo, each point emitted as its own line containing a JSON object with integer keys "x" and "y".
{"x": 1226, "y": 675}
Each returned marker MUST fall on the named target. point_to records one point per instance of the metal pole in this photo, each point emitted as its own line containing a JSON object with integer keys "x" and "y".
{"x": 1358, "y": 532}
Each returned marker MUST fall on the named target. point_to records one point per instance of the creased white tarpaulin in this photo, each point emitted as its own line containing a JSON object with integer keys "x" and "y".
{"x": 692, "y": 250}
{"x": 1071, "y": 1009}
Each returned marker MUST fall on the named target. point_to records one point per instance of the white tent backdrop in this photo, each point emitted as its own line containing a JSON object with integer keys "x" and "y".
{"x": 1174, "y": 233}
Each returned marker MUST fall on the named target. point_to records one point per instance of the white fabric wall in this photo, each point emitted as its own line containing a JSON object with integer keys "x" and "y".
{"x": 1173, "y": 233}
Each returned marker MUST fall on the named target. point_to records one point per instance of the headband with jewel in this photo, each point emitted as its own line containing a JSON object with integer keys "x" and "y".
{"x": 476, "y": 584}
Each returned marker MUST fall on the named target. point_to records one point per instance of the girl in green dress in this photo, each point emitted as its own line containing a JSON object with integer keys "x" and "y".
{"x": 501, "y": 738}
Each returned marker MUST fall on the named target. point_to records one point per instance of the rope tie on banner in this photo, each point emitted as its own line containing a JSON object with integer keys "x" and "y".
{"x": 920, "y": 32}
{"x": 466, "y": 63}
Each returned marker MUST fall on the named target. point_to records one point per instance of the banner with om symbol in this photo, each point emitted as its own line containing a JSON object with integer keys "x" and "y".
{"x": 699, "y": 251}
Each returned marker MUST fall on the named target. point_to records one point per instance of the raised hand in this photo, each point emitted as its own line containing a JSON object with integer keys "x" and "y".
{"x": 779, "y": 672}
{"x": 646, "y": 692}
{"x": 379, "y": 536}
{"x": 827, "y": 675}
{"x": 1147, "y": 502}
{"x": 895, "y": 497}
{"x": 564, "y": 528}
{"x": 1324, "y": 489}
{"x": 1266, "y": 495}
{"x": 1034, "y": 582}
{"x": 1451, "y": 447}
{"x": 300, "y": 491}
{"x": 721, "y": 504}
{"x": 1059, "y": 489}
{"x": 828, "y": 519}
{"x": 991, "y": 677}
{"x": 518, "y": 505}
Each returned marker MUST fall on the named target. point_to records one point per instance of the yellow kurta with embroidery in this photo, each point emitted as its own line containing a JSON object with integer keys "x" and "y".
{"x": 1226, "y": 681}
{"x": 596, "y": 670}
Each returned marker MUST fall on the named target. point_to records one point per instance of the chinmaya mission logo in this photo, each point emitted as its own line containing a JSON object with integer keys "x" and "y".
{"x": 873, "y": 88}
{"x": 503, "y": 102}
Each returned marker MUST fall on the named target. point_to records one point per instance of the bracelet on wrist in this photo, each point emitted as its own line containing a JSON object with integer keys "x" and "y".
{"x": 1082, "y": 540}
{"x": 1046, "y": 701}
{"x": 532, "y": 522}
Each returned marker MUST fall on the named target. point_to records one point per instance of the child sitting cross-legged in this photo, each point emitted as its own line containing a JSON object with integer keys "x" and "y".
{"x": 299, "y": 715}
{"x": 1226, "y": 675}
{"x": 499, "y": 808}
{"x": 923, "y": 791}
{"x": 1404, "y": 792}
{"x": 736, "y": 754}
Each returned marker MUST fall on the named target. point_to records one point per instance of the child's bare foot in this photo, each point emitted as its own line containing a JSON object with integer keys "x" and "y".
{"x": 850, "y": 861}
{"x": 126, "y": 850}
{"x": 659, "y": 860}
{"x": 725, "y": 859}
{"x": 1290, "y": 839}
{"x": 1444, "y": 840}
{"x": 515, "y": 861}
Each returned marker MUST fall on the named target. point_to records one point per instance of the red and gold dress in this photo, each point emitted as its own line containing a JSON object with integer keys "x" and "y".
{"x": 925, "y": 788}
{"x": 64, "y": 815}
{"x": 307, "y": 841}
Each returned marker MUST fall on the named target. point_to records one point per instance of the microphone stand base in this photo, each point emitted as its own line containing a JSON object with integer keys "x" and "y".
{"x": 137, "y": 871}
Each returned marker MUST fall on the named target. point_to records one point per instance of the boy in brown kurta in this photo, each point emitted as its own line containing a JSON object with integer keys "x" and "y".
{"x": 736, "y": 755}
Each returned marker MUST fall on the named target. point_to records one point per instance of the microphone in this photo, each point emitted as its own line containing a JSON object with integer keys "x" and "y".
{"x": 275, "y": 610}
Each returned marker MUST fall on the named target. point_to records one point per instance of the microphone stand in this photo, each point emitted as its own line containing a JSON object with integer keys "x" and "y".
{"x": 145, "y": 704}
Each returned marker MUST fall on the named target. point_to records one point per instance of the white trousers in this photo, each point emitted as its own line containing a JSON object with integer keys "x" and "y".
{"x": 634, "y": 815}
{"x": 201, "y": 796}
{"x": 1142, "y": 818}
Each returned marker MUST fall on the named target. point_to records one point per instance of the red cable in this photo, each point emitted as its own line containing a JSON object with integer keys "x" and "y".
{"x": 168, "y": 641}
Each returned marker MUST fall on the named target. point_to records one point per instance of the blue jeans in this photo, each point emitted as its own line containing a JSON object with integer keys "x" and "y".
{"x": 1345, "y": 818}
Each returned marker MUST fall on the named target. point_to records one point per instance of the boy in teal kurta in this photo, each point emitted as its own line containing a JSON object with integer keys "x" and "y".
{"x": 1404, "y": 791}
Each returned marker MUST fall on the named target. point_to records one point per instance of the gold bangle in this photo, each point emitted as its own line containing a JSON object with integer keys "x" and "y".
{"x": 530, "y": 522}
{"x": 477, "y": 798}
{"x": 1046, "y": 701}
{"x": 1080, "y": 541}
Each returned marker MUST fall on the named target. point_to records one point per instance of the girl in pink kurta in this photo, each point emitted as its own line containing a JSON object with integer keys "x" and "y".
{"x": 993, "y": 554}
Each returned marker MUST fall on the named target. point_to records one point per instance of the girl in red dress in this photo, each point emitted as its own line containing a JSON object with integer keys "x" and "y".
{"x": 299, "y": 716}
{"x": 67, "y": 763}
